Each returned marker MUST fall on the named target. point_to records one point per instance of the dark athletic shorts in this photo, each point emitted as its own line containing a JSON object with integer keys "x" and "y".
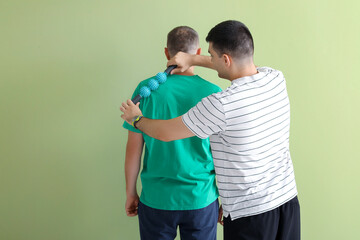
{"x": 282, "y": 223}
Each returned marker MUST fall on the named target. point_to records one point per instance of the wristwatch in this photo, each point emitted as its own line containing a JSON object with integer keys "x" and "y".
{"x": 136, "y": 119}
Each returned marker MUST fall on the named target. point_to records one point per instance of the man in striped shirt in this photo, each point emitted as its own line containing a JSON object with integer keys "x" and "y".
{"x": 248, "y": 124}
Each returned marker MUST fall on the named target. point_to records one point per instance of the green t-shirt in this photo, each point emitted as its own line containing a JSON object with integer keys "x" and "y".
{"x": 177, "y": 175}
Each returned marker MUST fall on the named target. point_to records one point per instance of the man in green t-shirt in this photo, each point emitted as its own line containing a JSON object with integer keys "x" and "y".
{"x": 178, "y": 177}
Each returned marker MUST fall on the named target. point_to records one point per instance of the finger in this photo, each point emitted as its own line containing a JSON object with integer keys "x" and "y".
{"x": 171, "y": 62}
{"x": 122, "y": 109}
{"x": 124, "y": 105}
{"x": 131, "y": 212}
{"x": 176, "y": 70}
{"x": 124, "y": 118}
{"x": 220, "y": 215}
{"x": 138, "y": 104}
{"x": 129, "y": 102}
{"x": 220, "y": 220}
{"x": 127, "y": 213}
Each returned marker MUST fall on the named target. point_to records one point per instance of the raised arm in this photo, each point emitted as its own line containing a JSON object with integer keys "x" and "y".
{"x": 164, "y": 130}
{"x": 185, "y": 60}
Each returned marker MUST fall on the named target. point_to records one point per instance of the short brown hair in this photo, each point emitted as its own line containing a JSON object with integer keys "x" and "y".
{"x": 182, "y": 39}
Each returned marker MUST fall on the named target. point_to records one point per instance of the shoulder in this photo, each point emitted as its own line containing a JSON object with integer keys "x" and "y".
{"x": 142, "y": 84}
{"x": 270, "y": 72}
{"x": 214, "y": 100}
{"x": 212, "y": 86}
{"x": 145, "y": 82}
{"x": 223, "y": 95}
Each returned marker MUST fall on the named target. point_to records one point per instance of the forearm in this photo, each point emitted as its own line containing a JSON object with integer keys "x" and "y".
{"x": 153, "y": 128}
{"x": 134, "y": 148}
{"x": 202, "y": 61}
{"x": 132, "y": 168}
{"x": 164, "y": 130}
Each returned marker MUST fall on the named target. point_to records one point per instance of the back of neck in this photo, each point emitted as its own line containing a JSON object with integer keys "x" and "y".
{"x": 244, "y": 71}
{"x": 189, "y": 72}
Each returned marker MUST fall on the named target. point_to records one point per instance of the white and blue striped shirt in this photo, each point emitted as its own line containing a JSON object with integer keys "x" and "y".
{"x": 248, "y": 124}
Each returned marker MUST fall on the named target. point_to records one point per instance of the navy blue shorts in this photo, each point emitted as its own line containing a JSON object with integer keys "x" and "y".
{"x": 200, "y": 224}
{"x": 282, "y": 223}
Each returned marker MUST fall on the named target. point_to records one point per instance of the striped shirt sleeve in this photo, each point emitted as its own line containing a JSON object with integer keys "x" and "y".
{"x": 206, "y": 118}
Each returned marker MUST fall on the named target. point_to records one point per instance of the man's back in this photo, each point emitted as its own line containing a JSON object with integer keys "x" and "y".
{"x": 251, "y": 153}
{"x": 177, "y": 175}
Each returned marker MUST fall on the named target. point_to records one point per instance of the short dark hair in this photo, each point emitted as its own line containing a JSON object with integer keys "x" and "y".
{"x": 182, "y": 39}
{"x": 232, "y": 38}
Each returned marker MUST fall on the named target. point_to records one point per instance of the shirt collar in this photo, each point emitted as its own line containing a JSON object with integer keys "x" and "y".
{"x": 248, "y": 79}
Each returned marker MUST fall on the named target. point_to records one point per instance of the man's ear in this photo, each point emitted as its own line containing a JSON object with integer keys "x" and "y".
{"x": 227, "y": 59}
{"x": 198, "y": 51}
{"x": 167, "y": 53}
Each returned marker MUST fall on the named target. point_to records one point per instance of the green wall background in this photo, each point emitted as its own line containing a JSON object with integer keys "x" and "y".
{"x": 66, "y": 66}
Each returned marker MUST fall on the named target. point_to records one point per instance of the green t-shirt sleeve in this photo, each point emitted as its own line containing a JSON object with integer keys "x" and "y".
{"x": 130, "y": 127}
{"x": 125, "y": 124}
{"x": 217, "y": 89}
{"x": 213, "y": 87}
